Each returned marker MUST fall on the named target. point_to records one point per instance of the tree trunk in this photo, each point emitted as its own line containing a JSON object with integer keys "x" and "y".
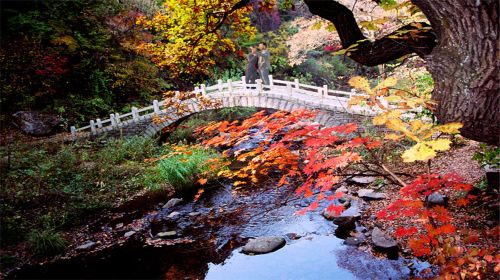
{"x": 465, "y": 65}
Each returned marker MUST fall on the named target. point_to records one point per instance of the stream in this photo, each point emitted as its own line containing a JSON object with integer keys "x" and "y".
{"x": 208, "y": 238}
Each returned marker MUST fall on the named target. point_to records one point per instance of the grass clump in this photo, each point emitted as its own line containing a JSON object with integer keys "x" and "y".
{"x": 46, "y": 242}
{"x": 184, "y": 166}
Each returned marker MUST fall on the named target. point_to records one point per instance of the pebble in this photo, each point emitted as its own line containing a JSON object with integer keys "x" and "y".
{"x": 173, "y": 214}
{"x": 167, "y": 234}
{"x": 129, "y": 233}
{"x": 87, "y": 245}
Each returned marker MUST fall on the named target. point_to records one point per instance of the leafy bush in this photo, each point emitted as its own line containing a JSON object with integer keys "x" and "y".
{"x": 46, "y": 242}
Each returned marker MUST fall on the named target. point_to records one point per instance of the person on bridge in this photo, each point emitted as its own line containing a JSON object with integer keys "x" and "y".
{"x": 264, "y": 63}
{"x": 251, "y": 71}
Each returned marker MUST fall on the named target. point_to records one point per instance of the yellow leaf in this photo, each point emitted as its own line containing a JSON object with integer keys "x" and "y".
{"x": 393, "y": 136}
{"x": 392, "y": 98}
{"x": 396, "y": 124}
{"x": 418, "y": 152}
{"x": 389, "y": 82}
{"x": 450, "y": 128}
{"x": 416, "y": 125}
{"x": 438, "y": 144}
{"x": 379, "y": 119}
{"x": 360, "y": 83}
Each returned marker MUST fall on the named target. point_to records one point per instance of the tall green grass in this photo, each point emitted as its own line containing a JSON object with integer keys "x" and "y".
{"x": 183, "y": 170}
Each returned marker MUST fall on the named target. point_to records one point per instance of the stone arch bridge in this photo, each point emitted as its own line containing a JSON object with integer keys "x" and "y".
{"x": 279, "y": 94}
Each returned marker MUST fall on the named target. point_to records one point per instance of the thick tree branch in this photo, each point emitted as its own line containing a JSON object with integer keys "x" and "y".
{"x": 223, "y": 15}
{"x": 412, "y": 38}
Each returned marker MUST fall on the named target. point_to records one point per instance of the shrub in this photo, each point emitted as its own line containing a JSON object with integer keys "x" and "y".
{"x": 46, "y": 242}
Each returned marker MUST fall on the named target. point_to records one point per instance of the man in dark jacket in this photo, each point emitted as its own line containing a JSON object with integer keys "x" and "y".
{"x": 251, "y": 72}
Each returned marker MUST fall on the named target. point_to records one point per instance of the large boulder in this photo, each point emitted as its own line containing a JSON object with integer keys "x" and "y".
{"x": 36, "y": 123}
{"x": 263, "y": 245}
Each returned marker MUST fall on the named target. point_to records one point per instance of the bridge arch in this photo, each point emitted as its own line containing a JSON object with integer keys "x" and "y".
{"x": 279, "y": 95}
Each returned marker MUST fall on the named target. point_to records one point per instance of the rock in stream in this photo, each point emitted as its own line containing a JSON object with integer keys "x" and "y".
{"x": 264, "y": 245}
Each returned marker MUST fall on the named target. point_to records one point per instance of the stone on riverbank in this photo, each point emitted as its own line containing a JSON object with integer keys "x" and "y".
{"x": 363, "y": 180}
{"x": 86, "y": 246}
{"x": 383, "y": 241}
{"x": 172, "y": 202}
{"x": 167, "y": 234}
{"x": 370, "y": 194}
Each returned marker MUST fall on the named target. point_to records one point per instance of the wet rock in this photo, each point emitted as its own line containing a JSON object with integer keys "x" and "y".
{"x": 370, "y": 194}
{"x": 435, "y": 199}
{"x": 172, "y": 202}
{"x": 86, "y": 246}
{"x": 36, "y": 123}
{"x": 173, "y": 214}
{"x": 354, "y": 210}
{"x": 383, "y": 241}
{"x": 293, "y": 236}
{"x": 264, "y": 245}
{"x": 167, "y": 234}
{"x": 345, "y": 224}
{"x": 353, "y": 241}
{"x": 129, "y": 233}
{"x": 346, "y": 203}
{"x": 361, "y": 229}
{"x": 363, "y": 180}
{"x": 342, "y": 190}
{"x": 192, "y": 214}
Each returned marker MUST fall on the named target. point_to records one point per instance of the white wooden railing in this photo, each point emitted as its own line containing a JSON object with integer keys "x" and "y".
{"x": 291, "y": 90}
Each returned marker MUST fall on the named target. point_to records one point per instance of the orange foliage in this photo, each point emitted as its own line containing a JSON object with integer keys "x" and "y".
{"x": 324, "y": 151}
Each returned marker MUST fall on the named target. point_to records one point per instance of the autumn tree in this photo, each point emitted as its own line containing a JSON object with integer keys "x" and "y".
{"x": 190, "y": 34}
